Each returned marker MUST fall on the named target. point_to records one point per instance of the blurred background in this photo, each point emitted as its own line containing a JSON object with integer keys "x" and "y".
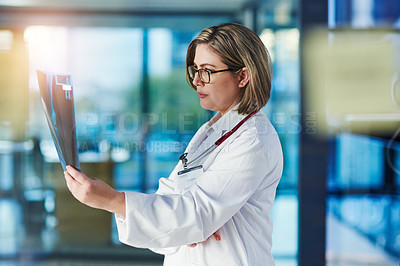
{"x": 334, "y": 103}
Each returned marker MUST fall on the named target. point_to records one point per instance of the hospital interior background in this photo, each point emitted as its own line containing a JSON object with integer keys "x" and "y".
{"x": 335, "y": 105}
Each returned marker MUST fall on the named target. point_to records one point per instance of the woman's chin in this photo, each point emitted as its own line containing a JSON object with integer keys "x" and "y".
{"x": 205, "y": 105}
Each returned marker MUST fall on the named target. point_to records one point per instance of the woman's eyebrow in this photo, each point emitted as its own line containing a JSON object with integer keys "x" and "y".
{"x": 205, "y": 64}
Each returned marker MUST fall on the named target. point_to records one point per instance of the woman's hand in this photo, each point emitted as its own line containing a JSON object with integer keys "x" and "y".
{"x": 94, "y": 192}
{"x": 216, "y": 236}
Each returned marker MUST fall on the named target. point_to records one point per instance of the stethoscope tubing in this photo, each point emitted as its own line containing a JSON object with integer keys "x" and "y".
{"x": 203, "y": 154}
{"x": 216, "y": 144}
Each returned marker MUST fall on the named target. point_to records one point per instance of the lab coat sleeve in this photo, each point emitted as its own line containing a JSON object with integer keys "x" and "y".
{"x": 172, "y": 220}
{"x": 165, "y": 187}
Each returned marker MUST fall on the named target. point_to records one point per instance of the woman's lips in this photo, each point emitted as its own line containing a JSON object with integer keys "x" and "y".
{"x": 201, "y": 95}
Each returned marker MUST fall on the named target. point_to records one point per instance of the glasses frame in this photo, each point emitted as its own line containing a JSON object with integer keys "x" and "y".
{"x": 208, "y": 71}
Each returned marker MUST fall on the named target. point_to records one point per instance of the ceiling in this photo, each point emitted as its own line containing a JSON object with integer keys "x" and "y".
{"x": 178, "y": 14}
{"x": 130, "y": 5}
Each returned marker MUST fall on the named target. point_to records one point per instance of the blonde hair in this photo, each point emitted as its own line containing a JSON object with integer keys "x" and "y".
{"x": 238, "y": 47}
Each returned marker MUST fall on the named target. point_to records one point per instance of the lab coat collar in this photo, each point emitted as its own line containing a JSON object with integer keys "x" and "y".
{"x": 212, "y": 131}
{"x": 220, "y": 124}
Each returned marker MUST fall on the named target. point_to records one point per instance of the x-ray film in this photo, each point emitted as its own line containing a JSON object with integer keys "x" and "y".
{"x": 56, "y": 92}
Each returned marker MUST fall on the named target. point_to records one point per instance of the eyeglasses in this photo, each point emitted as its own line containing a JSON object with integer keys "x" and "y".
{"x": 204, "y": 74}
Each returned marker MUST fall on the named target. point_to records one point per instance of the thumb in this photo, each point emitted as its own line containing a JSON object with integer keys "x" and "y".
{"x": 78, "y": 176}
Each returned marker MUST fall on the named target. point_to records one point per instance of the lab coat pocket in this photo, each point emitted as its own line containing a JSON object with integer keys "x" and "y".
{"x": 188, "y": 177}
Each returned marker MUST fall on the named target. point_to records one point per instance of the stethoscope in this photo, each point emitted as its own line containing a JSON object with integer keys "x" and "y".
{"x": 183, "y": 158}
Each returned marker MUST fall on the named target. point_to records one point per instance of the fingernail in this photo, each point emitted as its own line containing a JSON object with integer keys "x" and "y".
{"x": 218, "y": 238}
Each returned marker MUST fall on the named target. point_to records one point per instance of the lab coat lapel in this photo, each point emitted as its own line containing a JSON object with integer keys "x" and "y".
{"x": 197, "y": 139}
{"x": 202, "y": 143}
{"x": 201, "y": 140}
{"x": 223, "y": 125}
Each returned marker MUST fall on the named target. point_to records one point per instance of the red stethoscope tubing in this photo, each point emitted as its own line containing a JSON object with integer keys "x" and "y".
{"x": 218, "y": 142}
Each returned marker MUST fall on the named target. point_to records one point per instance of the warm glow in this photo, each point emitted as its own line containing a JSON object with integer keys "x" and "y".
{"x": 353, "y": 80}
{"x": 6, "y": 39}
{"x": 48, "y": 50}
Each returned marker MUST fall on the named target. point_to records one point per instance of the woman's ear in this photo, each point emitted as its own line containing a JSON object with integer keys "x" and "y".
{"x": 243, "y": 77}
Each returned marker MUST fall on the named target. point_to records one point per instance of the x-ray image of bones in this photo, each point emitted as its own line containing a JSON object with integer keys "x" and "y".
{"x": 58, "y": 102}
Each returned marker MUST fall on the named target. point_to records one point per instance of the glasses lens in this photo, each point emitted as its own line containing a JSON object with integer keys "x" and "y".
{"x": 204, "y": 75}
{"x": 191, "y": 71}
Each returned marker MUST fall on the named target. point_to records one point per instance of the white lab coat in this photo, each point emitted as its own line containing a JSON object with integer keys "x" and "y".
{"x": 233, "y": 195}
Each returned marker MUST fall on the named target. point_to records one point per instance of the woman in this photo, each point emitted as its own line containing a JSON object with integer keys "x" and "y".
{"x": 224, "y": 191}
